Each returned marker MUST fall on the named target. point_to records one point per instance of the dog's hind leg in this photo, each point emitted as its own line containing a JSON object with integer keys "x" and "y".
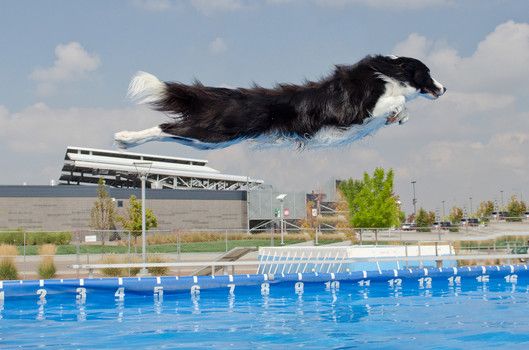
{"x": 127, "y": 139}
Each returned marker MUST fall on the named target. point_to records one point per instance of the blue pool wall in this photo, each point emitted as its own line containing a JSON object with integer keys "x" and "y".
{"x": 193, "y": 284}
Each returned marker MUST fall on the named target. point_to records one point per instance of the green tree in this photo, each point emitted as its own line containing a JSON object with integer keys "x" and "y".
{"x": 456, "y": 214}
{"x": 516, "y": 209}
{"x": 485, "y": 209}
{"x": 103, "y": 213}
{"x": 371, "y": 201}
{"x": 132, "y": 221}
{"x": 425, "y": 220}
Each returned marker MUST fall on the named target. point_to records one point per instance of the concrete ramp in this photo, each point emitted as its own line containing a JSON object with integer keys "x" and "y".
{"x": 232, "y": 255}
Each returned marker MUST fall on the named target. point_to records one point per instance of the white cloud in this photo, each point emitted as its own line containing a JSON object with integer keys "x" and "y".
{"x": 217, "y": 46}
{"x": 387, "y": 4}
{"x": 45, "y": 130}
{"x": 498, "y": 64}
{"x": 72, "y": 62}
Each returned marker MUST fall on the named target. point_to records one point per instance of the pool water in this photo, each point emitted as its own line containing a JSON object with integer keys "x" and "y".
{"x": 441, "y": 314}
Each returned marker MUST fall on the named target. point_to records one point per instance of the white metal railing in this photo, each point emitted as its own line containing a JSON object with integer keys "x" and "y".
{"x": 318, "y": 261}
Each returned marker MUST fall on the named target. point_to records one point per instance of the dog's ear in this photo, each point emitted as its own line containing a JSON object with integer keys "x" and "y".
{"x": 420, "y": 76}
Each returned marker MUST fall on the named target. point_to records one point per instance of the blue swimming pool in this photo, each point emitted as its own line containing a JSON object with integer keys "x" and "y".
{"x": 450, "y": 308}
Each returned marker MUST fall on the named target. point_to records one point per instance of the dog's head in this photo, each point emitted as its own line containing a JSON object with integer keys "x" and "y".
{"x": 414, "y": 73}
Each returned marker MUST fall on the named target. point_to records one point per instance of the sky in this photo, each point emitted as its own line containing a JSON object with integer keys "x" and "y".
{"x": 66, "y": 65}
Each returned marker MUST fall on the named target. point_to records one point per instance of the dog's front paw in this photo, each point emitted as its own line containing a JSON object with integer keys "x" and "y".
{"x": 124, "y": 139}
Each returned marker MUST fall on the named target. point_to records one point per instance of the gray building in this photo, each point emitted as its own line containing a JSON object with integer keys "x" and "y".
{"x": 68, "y": 207}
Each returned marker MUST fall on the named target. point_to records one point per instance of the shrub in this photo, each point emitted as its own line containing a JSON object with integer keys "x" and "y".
{"x": 47, "y": 267}
{"x": 157, "y": 271}
{"x": 119, "y": 259}
{"x": 8, "y": 269}
{"x": 35, "y": 238}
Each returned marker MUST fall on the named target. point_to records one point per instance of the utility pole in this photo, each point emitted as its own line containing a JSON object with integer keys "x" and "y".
{"x": 444, "y": 215}
{"x": 414, "y": 199}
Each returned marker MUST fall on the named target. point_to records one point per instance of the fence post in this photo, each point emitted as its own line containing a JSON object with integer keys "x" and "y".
{"x": 226, "y": 239}
{"x": 24, "y": 255}
{"x": 376, "y": 237}
{"x": 361, "y": 231}
{"x": 77, "y": 250}
{"x": 316, "y": 242}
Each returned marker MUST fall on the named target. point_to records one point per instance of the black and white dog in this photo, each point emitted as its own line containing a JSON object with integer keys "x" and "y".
{"x": 353, "y": 102}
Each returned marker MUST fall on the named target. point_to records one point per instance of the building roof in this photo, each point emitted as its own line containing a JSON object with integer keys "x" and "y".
{"x": 121, "y": 169}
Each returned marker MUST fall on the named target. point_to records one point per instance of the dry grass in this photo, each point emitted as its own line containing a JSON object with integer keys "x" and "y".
{"x": 119, "y": 259}
{"x": 8, "y": 251}
{"x": 8, "y": 270}
{"x": 47, "y": 267}
{"x": 157, "y": 271}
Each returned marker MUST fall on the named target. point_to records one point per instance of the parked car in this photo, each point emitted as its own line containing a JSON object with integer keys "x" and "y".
{"x": 464, "y": 222}
{"x": 473, "y": 222}
{"x": 408, "y": 226}
{"x": 446, "y": 224}
{"x": 527, "y": 214}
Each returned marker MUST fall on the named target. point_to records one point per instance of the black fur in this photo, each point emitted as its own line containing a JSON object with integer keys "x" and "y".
{"x": 345, "y": 98}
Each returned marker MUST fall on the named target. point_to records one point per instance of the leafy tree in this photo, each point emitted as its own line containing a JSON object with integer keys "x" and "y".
{"x": 371, "y": 201}
{"x": 132, "y": 221}
{"x": 425, "y": 220}
{"x": 103, "y": 214}
{"x": 485, "y": 209}
{"x": 516, "y": 209}
{"x": 456, "y": 214}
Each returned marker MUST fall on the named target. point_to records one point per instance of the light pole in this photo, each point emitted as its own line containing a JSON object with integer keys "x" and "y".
{"x": 414, "y": 199}
{"x": 502, "y": 205}
{"x": 281, "y": 199}
{"x": 444, "y": 215}
{"x": 471, "y": 211}
{"x": 143, "y": 169}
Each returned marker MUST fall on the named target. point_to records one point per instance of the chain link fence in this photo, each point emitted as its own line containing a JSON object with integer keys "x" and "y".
{"x": 30, "y": 254}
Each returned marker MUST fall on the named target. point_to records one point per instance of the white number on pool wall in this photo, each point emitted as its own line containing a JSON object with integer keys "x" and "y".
{"x": 511, "y": 278}
{"x": 298, "y": 288}
{"x": 231, "y": 286}
{"x": 484, "y": 278}
{"x": 425, "y": 282}
{"x": 158, "y": 292}
{"x": 364, "y": 283}
{"x": 42, "y": 293}
{"x": 395, "y": 282}
{"x": 265, "y": 288}
{"x": 454, "y": 280}
{"x": 332, "y": 285}
{"x": 195, "y": 289}
{"x": 81, "y": 294}
{"x": 120, "y": 293}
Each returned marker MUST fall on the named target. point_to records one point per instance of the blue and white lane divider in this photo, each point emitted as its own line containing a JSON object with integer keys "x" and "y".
{"x": 193, "y": 284}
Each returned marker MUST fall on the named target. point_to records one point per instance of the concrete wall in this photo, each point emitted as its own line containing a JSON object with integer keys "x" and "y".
{"x": 68, "y": 207}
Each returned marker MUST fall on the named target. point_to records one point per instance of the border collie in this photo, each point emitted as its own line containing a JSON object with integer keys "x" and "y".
{"x": 353, "y": 102}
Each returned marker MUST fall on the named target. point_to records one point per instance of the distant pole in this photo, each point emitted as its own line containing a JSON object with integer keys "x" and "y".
{"x": 502, "y": 205}
{"x": 414, "y": 199}
{"x": 282, "y": 224}
{"x": 471, "y": 211}
{"x": 247, "y": 205}
{"x": 444, "y": 215}
{"x": 143, "y": 169}
{"x": 143, "y": 177}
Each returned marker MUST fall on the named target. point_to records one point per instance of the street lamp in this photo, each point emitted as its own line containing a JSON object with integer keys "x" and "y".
{"x": 281, "y": 199}
{"x": 414, "y": 199}
{"x": 143, "y": 169}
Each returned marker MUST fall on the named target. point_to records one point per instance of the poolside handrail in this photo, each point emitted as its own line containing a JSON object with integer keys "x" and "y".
{"x": 213, "y": 264}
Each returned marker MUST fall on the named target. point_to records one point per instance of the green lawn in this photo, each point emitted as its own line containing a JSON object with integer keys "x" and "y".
{"x": 194, "y": 247}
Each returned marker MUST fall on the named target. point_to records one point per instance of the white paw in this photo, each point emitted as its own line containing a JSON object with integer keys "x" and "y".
{"x": 125, "y": 139}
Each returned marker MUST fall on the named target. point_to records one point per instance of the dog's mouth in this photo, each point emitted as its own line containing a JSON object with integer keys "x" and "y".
{"x": 432, "y": 93}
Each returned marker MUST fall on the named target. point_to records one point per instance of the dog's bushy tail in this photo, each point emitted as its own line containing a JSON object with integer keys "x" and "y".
{"x": 207, "y": 114}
